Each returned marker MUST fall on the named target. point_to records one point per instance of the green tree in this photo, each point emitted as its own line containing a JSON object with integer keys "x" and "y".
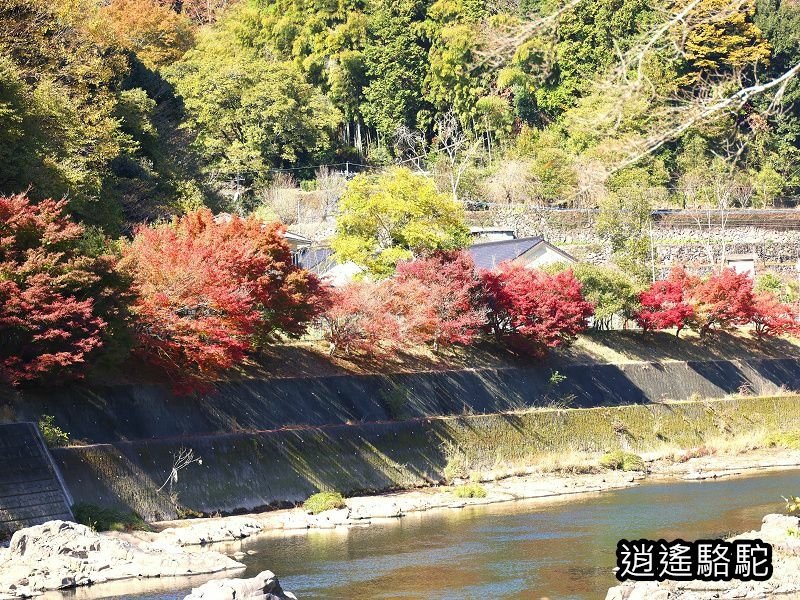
{"x": 625, "y": 217}
{"x": 395, "y": 216}
{"x": 589, "y": 37}
{"x": 612, "y": 292}
{"x": 58, "y": 85}
{"x": 396, "y": 61}
{"x": 250, "y": 113}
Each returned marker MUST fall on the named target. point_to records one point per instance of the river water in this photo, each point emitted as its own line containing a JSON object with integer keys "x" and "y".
{"x": 512, "y": 551}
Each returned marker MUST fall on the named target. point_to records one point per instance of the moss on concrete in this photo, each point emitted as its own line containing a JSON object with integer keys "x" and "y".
{"x": 250, "y": 470}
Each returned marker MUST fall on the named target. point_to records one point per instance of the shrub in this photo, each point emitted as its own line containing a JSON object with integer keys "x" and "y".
{"x": 323, "y": 501}
{"x": 620, "y": 460}
{"x": 53, "y": 435}
{"x": 784, "y": 439}
{"x": 695, "y": 453}
{"x": 792, "y": 505}
{"x": 108, "y": 519}
{"x": 470, "y": 490}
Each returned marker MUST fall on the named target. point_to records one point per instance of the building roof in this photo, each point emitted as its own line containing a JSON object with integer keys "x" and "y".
{"x": 488, "y": 255}
{"x": 297, "y": 238}
{"x": 316, "y": 260}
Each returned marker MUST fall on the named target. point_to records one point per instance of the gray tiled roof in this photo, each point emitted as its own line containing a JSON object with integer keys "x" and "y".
{"x": 488, "y": 255}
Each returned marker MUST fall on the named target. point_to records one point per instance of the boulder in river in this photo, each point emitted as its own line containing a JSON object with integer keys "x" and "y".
{"x": 264, "y": 586}
{"x": 62, "y": 554}
{"x": 206, "y": 531}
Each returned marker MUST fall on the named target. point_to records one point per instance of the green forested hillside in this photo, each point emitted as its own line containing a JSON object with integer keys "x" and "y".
{"x": 137, "y": 109}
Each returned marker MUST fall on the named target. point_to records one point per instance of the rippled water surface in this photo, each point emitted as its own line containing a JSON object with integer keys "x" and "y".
{"x": 517, "y": 550}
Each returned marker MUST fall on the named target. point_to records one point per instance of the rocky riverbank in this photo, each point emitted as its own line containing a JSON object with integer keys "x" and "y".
{"x": 62, "y": 555}
{"x": 782, "y": 531}
{"x": 360, "y": 511}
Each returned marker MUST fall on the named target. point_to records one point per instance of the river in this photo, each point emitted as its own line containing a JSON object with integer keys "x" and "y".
{"x": 512, "y": 551}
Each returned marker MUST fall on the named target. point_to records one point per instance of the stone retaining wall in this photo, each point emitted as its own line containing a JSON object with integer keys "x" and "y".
{"x": 693, "y": 239}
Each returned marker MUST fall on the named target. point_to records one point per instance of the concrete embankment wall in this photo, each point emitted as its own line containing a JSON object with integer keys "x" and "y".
{"x": 250, "y": 470}
{"x": 31, "y": 491}
{"x": 114, "y": 413}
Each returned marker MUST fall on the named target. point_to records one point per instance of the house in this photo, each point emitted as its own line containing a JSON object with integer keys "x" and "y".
{"x": 322, "y": 262}
{"x": 531, "y": 252}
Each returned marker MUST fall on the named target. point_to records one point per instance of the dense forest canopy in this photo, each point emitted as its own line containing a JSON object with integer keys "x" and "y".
{"x": 135, "y": 110}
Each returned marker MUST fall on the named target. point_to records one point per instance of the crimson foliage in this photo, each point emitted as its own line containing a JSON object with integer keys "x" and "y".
{"x": 666, "y": 303}
{"x": 359, "y": 319}
{"x": 208, "y": 292}
{"x": 53, "y": 295}
{"x": 722, "y": 300}
{"x": 538, "y": 309}
{"x": 439, "y": 297}
{"x": 771, "y": 317}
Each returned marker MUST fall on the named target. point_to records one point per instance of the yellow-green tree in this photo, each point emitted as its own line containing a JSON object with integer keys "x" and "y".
{"x": 151, "y": 29}
{"x": 724, "y": 39}
{"x": 395, "y": 216}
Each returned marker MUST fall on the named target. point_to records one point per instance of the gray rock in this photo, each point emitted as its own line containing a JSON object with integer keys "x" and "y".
{"x": 61, "y": 554}
{"x": 213, "y": 530}
{"x": 333, "y": 518}
{"x": 376, "y": 510}
{"x": 264, "y": 586}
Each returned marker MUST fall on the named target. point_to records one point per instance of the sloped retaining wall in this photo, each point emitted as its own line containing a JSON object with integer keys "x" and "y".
{"x": 110, "y": 414}
{"x": 31, "y": 491}
{"x": 250, "y": 470}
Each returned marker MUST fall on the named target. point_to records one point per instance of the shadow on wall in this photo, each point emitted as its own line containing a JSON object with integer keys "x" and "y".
{"x": 111, "y": 414}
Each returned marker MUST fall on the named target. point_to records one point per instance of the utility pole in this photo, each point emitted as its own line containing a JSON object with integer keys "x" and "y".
{"x": 652, "y": 250}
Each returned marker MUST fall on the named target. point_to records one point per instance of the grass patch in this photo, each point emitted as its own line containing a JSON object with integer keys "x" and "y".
{"x": 784, "y": 439}
{"x": 470, "y": 490}
{"x": 619, "y": 460}
{"x": 108, "y": 519}
{"x": 323, "y": 501}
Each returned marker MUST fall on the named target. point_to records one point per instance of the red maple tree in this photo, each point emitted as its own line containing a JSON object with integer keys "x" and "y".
{"x": 359, "y": 319}
{"x": 666, "y": 303}
{"x": 51, "y": 292}
{"x": 438, "y": 298}
{"x": 539, "y": 309}
{"x": 771, "y": 317}
{"x": 723, "y": 300}
{"x": 208, "y": 292}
